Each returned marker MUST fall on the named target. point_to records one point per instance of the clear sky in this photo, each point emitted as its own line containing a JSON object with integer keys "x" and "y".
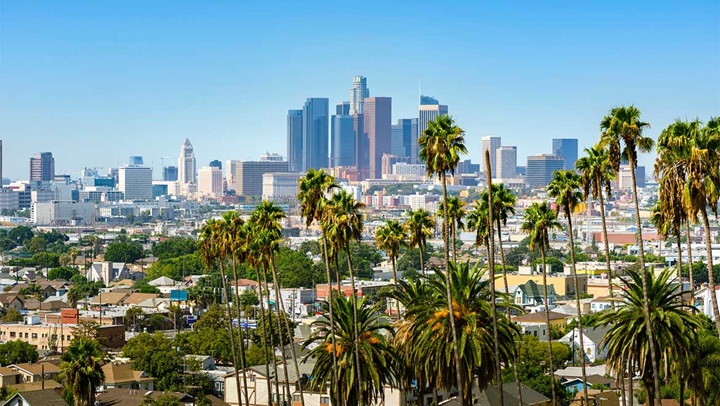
{"x": 97, "y": 81}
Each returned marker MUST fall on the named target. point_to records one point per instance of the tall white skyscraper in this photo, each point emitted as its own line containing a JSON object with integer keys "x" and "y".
{"x": 490, "y": 144}
{"x": 358, "y": 93}
{"x": 429, "y": 112}
{"x": 506, "y": 162}
{"x": 135, "y": 182}
{"x": 186, "y": 164}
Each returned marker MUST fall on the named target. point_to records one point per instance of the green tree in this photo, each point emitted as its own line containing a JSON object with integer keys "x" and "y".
{"x": 12, "y": 315}
{"x": 539, "y": 222}
{"x": 81, "y": 370}
{"x": 20, "y": 234}
{"x": 158, "y": 356}
{"x": 391, "y": 237}
{"x": 628, "y": 340}
{"x": 64, "y": 272}
{"x": 174, "y": 247}
{"x": 176, "y": 268}
{"x": 295, "y": 269}
{"x": 440, "y": 147}
{"x": 17, "y": 352}
{"x": 623, "y": 126}
{"x": 123, "y": 251}
{"x": 376, "y": 361}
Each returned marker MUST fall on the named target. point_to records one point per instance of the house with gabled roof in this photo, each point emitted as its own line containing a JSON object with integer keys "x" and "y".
{"x": 46, "y": 397}
{"x": 123, "y": 376}
{"x": 8, "y": 300}
{"x": 592, "y": 337}
{"x": 107, "y": 272}
{"x": 530, "y": 294}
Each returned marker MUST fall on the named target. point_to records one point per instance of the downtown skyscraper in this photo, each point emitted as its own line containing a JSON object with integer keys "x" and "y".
{"x": 490, "y": 144}
{"x": 342, "y": 137}
{"x": 377, "y": 125}
{"x": 295, "y": 140}
{"x": 567, "y": 148}
{"x": 187, "y": 167}
{"x": 358, "y": 93}
{"x": 42, "y": 167}
{"x": 315, "y": 134}
{"x": 429, "y": 110}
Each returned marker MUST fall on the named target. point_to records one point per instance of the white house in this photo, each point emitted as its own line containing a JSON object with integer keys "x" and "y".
{"x": 591, "y": 340}
{"x": 107, "y": 272}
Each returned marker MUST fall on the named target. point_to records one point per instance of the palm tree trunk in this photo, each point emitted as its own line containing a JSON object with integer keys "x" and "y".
{"x": 451, "y": 314}
{"x": 265, "y": 340}
{"x": 231, "y": 330}
{"x": 547, "y": 321}
{"x": 491, "y": 267}
{"x": 397, "y": 302}
{"x": 680, "y": 261}
{"x": 290, "y": 333}
{"x": 646, "y": 304}
{"x": 332, "y": 318}
{"x": 711, "y": 277}
{"x": 577, "y": 301}
{"x": 453, "y": 228}
{"x": 690, "y": 260}
{"x": 507, "y": 292}
{"x": 240, "y": 334}
{"x": 422, "y": 260}
{"x": 281, "y": 343}
{"x": 361, "y": 398}
{"x": 607, "y": 250}
{"x": 622, "y": 387}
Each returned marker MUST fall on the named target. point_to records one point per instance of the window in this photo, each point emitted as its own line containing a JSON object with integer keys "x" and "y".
{"x": 12, "y": 334}
{"x": 34, "y": 335}
{"x": 54, "y": 336}
{"x": 325, "y": 400}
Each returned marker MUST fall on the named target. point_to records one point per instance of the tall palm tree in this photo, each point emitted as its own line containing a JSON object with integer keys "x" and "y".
{"x": 344, "y": 223}
{"x": 213, "y": 251}
{"x": 313, "y": 189}
{"x": 456, "y": 213}
{"x": 628, "y": 340}
{"x": 391, "y": 238}
{"x": 377, "y": 359}
{"x": 477, "y": 221}
{"x": 540, "y": 220}
{"x": 503, "y": 207}
{"x": 597, "y": 176}
{"x": 565, "y": 188}
{"x": 623, "y": 126}
{"x": 426, "y": 340}
{"x": 267, "y": 216}
{"x": 441, "y": 144}
{"x": 81, "y": 370}
{"x": 419, "y": 226}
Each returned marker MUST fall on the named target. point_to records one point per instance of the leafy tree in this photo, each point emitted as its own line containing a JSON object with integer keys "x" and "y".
{"x": 17, "y": 352}
{"x": 176, "y": 268}
{"x": 12, "y": 315}
{"x": 20, "y": 234}
{"x": 143, "y": 286}
{"x": 46, "y": 259}
{"x": 37, "y": 244}
{"x": 269, "y": 321}
{"x": 156, "y": 355}
{"x": 123, "y": 251}
{"x": 174, "y": 247}
{"x": 6, "y": 392}
{"x": 532, "y": 366}
{"x": 64, "y": 272}
{"x": 296, "y": 270}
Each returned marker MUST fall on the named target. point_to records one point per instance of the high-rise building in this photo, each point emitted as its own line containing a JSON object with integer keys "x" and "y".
{"x": 215, "y": 164}
{"x": 315, "y": 134}
{"x": 42, "y": 167}
{"x": 210, "y": 182}
{"x": 490, "y": 144}
{"x": 404, "y": 138}
{"x": 135, "y": 182}
{"x": 429, "y": 112}
{"x": 136, "y": 160}
{"x": 540, "y": 169}
{"x": 170, "y": 173}
{"x": 358, "y": 93}
{"x": 342, "y": 137}
{"x": 248, "y": 176}
{"x": 362, "y": 158}
{"x": 187, "y": 168}
{"x": 389, "y": 161}
{"x": 506, "y": 162}
{"x": 428, "y": 100}
{"x": 377, "y": 126}
{"x": 567, "y": 148}
{"x": 294, "y": 140}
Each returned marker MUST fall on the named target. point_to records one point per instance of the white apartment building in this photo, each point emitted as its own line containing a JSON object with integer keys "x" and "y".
{"x": 210, "y": 182}
{"x": 63, "y": 212}
{"x": 282, "y": 185}
{"x": 135, "y": 182}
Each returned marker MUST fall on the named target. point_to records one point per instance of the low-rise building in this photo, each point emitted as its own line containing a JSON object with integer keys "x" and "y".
{"x": 119, "y": 376}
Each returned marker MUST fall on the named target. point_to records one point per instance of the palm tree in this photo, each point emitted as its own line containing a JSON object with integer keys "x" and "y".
{"x": 539, "y": 222}
{"x": 565, "y": 188}
{"x": 267, "y": 216}
{"x": 419, "y": 226}
{"x": 628, "y": 340}
{"x": 367, "y": 339}
{"x": 81, "y": 370}
{"x": 391, "y": 238}
{"x": 477, "y": 220}
{"x": 213, "y": 250}
{"x": 344, "y": 223}
{"x": 623, "y": 126}
{"x": 425, "y": 339}
{"x": 440, "y": 147}
{"x": 314, "y": 186}
{"x": 596, "y": 176}
{"x": 456, "y": 211}
{"x": 704, "y": 368}
{"x": 503, "y": 207}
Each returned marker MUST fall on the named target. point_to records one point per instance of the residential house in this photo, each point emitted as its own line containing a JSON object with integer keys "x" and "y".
{"x": 491, "y": 397}
{"x": 36, "y": 372}
{"x": 122, "y": 376}
{"x": 536, "y": 323}
{"x": 136, "y": 298}
{"x": 591, "y": 339}
{"x": 132, "y": 397}
{"x": 107, "y": 272}
{"x": 600, "y": 304}
{"x": 8, "y": 300}
{"x": 47, "y": 397}
{"x": 9, "y": 376}
{"x": 531, "y": 294}
{"x": 575, "y": 384}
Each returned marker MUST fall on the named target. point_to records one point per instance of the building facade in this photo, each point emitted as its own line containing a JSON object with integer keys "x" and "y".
{"x": 67, "y": 213}
{"x": 135, "y": 182}
{"x": 358, "y": 93}
{"x": 506, "y": 162}
{"x": 377, "y": 125}
{"x": 210, "y": 182}
{"x": 280, "y": 185}
{"x": 491, "y": 144}
{"x": 42, "y": 167}
{"x": 342, "y": 139}
{"x": 315, "y": 134}
{"x": 404, "y": 138}
{"x": 429, "y": 112}
{"x": 187, "y": 167}
{"x": 540, "y": 169}
{"x": 567, "y": 148}
{"x": 248, "y": 175}
{"x": 294, "y": 140}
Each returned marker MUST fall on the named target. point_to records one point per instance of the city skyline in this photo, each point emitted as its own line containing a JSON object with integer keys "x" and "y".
{"x": 93, "y": 98}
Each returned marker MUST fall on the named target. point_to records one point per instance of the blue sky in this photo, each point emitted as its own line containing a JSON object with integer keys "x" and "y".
{"x": 96, "y": 81}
